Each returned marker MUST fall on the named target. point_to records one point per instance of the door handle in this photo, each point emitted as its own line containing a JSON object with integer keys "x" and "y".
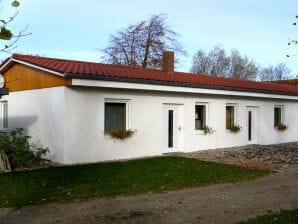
{"x": 179, "y": 128}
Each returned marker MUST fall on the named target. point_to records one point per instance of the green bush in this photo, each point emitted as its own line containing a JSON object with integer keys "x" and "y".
{"x": 20, "y": 152}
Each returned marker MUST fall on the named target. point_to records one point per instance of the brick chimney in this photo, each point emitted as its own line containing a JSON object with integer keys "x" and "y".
{"x": 168, "y": 62}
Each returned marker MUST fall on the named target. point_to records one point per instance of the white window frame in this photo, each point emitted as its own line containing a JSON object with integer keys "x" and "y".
{"x": 282, "y": 109}
{"x": 235, "y": 105}
{"x": 3, "y": 106}
{"x": 127, "y": 112}
{"x": 207, "y": 108}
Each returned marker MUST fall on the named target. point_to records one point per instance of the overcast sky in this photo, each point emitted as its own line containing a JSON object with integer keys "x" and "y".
{"x": 79, "y": 29}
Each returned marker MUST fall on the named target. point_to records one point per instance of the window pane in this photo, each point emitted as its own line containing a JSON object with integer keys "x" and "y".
{"x": 277, "y": 116}
{"x": 4, "y": 114}
{"x": 200, "y": 117}
{"x": 115, "y": 116}
{"x": 230, "y": 116}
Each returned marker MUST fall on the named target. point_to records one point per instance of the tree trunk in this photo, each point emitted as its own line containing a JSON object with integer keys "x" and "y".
{"x": 145, "y": 61}
{"x": 4, "y": 162}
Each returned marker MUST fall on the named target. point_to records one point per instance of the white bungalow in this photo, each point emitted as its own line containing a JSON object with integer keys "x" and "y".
{"x": 70, "y": 106}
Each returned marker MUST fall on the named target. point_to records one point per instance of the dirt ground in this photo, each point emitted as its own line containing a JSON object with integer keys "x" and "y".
{"x": 222, "y": 203}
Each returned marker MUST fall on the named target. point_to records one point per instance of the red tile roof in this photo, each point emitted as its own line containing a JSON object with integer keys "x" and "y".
{"x": 292, "y": 82}
{"x": 97, "y": 70}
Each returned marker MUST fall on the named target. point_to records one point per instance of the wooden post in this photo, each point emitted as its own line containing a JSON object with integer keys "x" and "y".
{"x": 4, "y": 162}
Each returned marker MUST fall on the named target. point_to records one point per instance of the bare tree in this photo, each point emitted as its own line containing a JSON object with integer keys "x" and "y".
{"x": 241, "y": 67}
{"x": 218, "y": 63}
{"x": 9, "y": 38}
{"x": 142, "y": 44}
{"x": 275, "y": 73}
{"x": 201, "y": 63}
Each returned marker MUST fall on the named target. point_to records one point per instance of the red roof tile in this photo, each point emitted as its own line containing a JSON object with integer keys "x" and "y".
{"x": 118, "y": 71}
{"x": 292, "y": 82}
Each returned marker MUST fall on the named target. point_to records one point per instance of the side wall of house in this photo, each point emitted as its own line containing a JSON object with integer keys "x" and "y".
{"x": 85, "y": 140}
{"x": 21, "y": 77}
{"x": 41, "y": 113}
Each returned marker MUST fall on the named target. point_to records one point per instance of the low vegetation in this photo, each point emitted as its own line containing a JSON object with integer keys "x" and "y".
{"x": 281, "y": 127}
{"x": 208, "y": 130}
{"x": 21, "y": 153}
{"x": 283, "y": 217}
{"x": 235, "y": 128}
{"x": 121, "y": 134}
{"x": 157, "y": 174}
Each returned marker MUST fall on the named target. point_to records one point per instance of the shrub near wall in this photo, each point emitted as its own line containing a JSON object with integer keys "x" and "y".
{"x": 20, "y": 152}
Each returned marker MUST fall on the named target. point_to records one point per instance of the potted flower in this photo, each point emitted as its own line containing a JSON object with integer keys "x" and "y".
{"x": 207, "y": 130}
{"x": 281, "y": 127}
{"x": 120, "y": 134}
{"x": 234, "y": 128}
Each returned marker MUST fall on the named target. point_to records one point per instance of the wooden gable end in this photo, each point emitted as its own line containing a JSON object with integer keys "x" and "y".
{"x": 21, "y": 77}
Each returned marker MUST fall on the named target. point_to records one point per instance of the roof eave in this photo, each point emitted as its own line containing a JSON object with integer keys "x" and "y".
{"x": 176, "y": 84}
{"x": 11, "y": 61}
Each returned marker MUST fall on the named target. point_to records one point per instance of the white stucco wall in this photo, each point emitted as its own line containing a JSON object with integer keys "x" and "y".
{"x": 86, "y": 142}
{"x": 41, "y": 113}
{"x": 70, "y": 121}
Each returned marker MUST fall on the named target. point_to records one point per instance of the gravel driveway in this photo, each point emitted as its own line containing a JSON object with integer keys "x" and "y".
{"x": 222, "y": 203}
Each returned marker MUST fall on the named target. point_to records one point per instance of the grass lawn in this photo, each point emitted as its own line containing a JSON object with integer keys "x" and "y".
{"x": 283, "y": 217}
{"x": 155, "y": 174}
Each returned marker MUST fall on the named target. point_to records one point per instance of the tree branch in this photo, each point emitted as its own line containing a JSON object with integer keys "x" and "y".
{"x": 9, "y": 47}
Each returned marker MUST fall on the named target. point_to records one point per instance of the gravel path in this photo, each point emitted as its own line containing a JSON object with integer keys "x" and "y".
{"x": 222, "y": 203}
{"x": 278, "y": 156}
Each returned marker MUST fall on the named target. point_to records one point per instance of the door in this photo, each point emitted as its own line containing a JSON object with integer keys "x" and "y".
{"x": 252, "y": 125}
{"x": 172, "y": 128}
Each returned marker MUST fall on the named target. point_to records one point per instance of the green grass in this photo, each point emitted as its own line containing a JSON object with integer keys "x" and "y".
{"x": 283, "y": 217}
{"x": 156, "y": 174}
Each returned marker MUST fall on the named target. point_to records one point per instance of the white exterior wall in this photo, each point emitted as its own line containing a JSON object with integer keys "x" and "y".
{"x": 70, "y": 121}
{"x": 85, "y": 140}
{"x": 41, "y": 113}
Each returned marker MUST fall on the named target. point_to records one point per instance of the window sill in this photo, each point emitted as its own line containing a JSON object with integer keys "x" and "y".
{"x": 106, "y": 136}
{"x": 3, "y": 130}
{"x": 231, "y": 132}
{"x": 199, "y": 132}
{"x": 280, "y": 130}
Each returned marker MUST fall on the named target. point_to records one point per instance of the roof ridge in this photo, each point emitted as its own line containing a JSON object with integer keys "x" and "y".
{"x": 91, "y": 62}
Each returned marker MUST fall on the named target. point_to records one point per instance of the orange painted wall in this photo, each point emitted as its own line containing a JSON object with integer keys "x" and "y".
{"x": 21, "y": 77}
